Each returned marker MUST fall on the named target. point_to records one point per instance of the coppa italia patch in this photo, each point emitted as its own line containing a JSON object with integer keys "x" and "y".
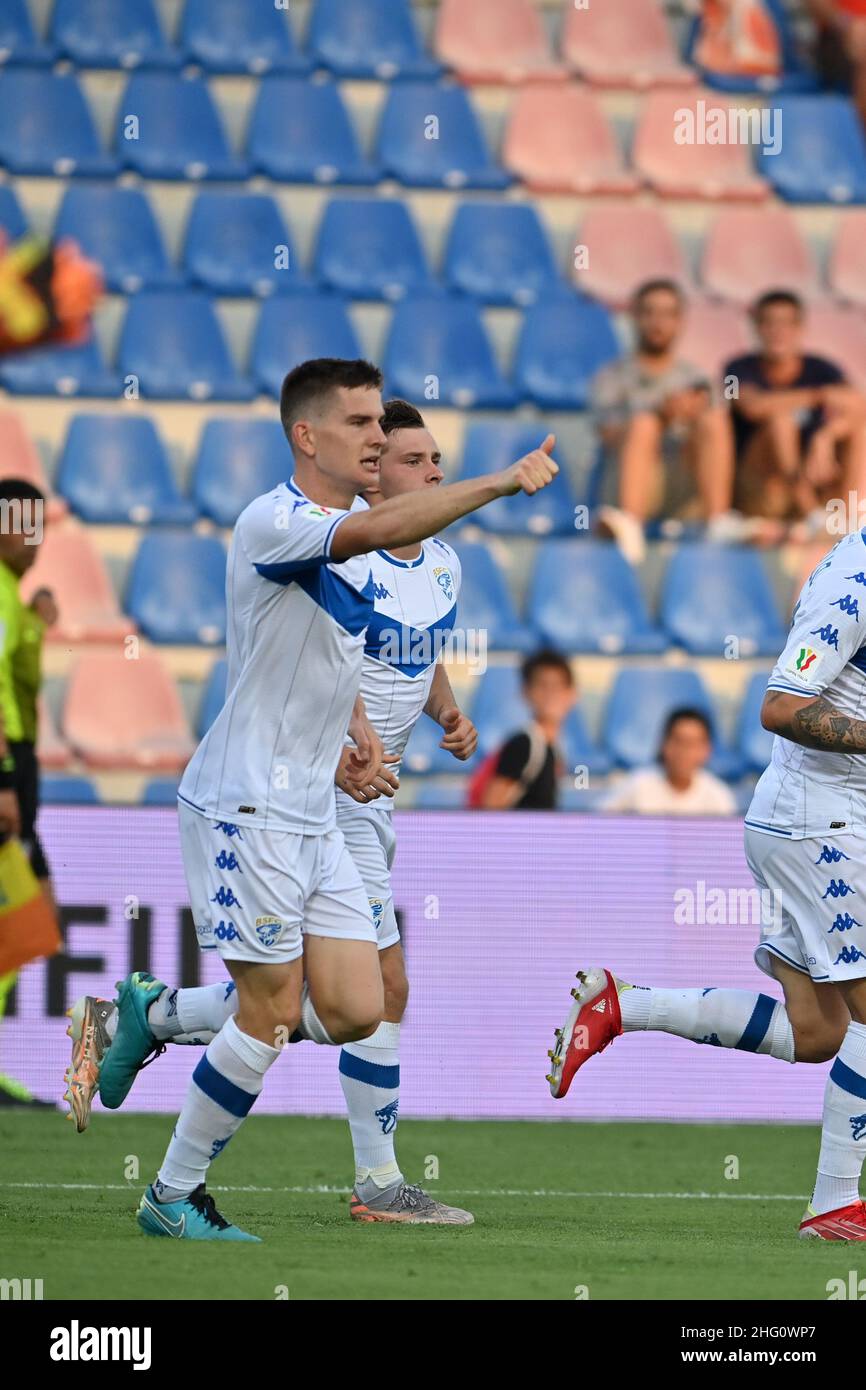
{"x": 805, "y": 662}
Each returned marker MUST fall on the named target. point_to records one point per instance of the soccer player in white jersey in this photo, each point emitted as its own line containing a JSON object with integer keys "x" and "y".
{"x": 272, "y": 886}
{"x": 805, "y": 841}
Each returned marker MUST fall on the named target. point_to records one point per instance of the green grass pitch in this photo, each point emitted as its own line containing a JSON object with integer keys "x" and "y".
{"x": 549, "y": 1220}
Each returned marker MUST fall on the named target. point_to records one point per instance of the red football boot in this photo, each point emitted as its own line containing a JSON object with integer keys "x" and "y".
{"x": 593, "y": 1023}
{"x": 845, "y": 1223}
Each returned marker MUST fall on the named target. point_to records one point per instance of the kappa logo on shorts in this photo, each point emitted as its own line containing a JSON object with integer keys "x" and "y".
{"x": 227, "y": 931}
{"x": 377, "y": 908}
{"x": 269, "y": 930}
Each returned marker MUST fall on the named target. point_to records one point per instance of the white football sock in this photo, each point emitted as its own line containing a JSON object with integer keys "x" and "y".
{"x": 162, "y": 1016}
{"x": 370, "y": 1078}
{"x": 205, "y": 1009}
{"x": 722, "y": 1017}
{"x": 843, "y": 1132}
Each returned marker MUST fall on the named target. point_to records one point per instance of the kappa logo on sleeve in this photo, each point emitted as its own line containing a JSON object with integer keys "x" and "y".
{"x": 806, "y": 662}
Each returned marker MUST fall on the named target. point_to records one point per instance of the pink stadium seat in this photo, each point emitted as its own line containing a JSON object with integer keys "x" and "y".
{"x": 750, "y": 250}
{"x": 495, "y": 41}
{"x": 19, "y": 458}
{"x": 121, "y": 713}
{"x": 626, "y": 245}
{"x": 714, "y": 333}
{"x": 847, "y": 262}
{"x": 691, "y": 170}
{"x": 51, "y": 749}
{"x": 623, "y": 43}
{"x": 839, "y": 334}
{"x": 559, "y": 140}
{"x": 72, "y": 567}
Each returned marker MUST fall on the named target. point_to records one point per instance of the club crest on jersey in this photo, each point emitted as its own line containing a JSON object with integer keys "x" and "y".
{"x": 442, "y": 575}
{"x": 805, "y": 662}
{"x": 269, "y": 930}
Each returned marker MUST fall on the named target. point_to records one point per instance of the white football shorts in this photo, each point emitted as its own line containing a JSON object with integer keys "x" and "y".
{"x": 371, "y": 841}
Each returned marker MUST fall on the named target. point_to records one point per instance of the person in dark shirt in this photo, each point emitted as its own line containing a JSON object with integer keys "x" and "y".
{"x": 529, "y": 763}
{"x": 799, "y": 427}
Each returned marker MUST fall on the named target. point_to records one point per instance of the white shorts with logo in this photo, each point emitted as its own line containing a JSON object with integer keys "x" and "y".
{"x": 814, "y": 902}
{"x": 255, "y": 893}
{"x": 371, "y": 841}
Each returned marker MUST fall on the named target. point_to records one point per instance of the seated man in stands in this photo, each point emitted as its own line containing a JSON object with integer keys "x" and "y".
{"x": 840, "y": 46}
{"x": 679, "y": 785}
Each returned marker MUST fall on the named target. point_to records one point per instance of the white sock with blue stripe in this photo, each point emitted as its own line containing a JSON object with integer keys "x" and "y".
{"x": 720, "y": 1017}
{"x": 843, "y": 1134}
{"x": 221, "y": 1093}
{"x": 370, "y": 1078}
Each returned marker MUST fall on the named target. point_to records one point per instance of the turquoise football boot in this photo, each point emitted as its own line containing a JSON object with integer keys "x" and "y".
{"x": 192, "y": 1218}
{"x": 133, "y": 1042}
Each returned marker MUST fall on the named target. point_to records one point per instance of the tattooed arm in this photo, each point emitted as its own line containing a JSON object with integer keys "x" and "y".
{"x": 815, "y": 722}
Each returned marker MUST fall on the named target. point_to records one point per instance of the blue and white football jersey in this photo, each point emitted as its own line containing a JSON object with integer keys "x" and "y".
{"x": 805, "y": 792}
{"x": 295, "y": 647}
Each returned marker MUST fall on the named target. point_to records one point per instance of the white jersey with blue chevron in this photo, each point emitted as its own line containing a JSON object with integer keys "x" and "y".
{"x": 805, "y": 792}
{"x": 295, "y": 647}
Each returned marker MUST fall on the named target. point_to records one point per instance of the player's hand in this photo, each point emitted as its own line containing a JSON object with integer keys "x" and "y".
{"x": 10, "y": 814}
{"x": 531, "y": 473}
{"x": 461, "y": 735}
{"x": 351, "y": 777}
{"x": 44, "y": 605}
{"x": 367, "y": 753}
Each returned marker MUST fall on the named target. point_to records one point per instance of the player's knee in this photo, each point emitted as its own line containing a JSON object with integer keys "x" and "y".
{"x": 272, "y": 1019}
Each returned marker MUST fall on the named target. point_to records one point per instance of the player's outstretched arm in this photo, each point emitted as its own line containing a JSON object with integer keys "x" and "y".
{"x": 417, "y": 515}
{"x": 813, "y": 722}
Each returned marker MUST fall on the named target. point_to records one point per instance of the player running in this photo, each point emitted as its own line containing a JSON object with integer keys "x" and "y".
{"x": 805, "y": 842}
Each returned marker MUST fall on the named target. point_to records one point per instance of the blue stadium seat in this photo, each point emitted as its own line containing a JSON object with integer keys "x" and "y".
{"x": 499, "y": 710}
{"x": 438, "y": 336}
{"x": 640, "y": 701}
{"x": 584, "y": 597}
{"x": 485, "y": 604}
{"x": 18, "y": 41}
{"x": 564, "y": 341}
{"x": 585, "y": 800}
{"x": 419, "y": 155}
{"x": 713, "y": 593}
{"x": 234, "y": 242}
{"x": 213, "y": 697}
{"x": 46, "y": 127}
{"x": 490, "y": 445}
{"x": 291, "y": 330}
{"x": 116, "y": 227}
{"x": 114, "y": 470}
{"x": 179, "y": 133}
{"x": 13, "y": 223}
{"x": 364, "y": 38}
{"x": 423, "y": 754}
{"x": 59, "y": 371}
{"x": 823, "y": 153}
{"x": 755, "y": 742}
{"x": 173, "y": 343}
{"x": 176, "y": 590}
{"x": 67, "y": 791}
{"x": 238, "y": 460}
{"x": 160, "y": 791}
{"x": 301, "y": 132}
{"x": 499, "y": 253}
{"x": 369, "y": 248}
{"x": 235, "y": 36}
{"x": 438, "y": 796}
{"x": 96, "y": 35}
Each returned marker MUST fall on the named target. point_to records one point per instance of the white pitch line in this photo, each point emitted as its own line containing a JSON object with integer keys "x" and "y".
{"x": 324, "y": 1190}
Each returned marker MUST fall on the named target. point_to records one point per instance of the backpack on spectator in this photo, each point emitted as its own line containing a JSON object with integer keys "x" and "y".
{"x": 485, "y": 773}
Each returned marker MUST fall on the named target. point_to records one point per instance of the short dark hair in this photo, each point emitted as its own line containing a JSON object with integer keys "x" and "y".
{"x": 545, "y": 658}
{"x": 400, "y": 415}
{"x": 686, "y": 712}
{"x": 654, "y": 287}
{"x": 310, "y": 382}
{"x": 766, "y": 301}
{"x": 19, "y": 490}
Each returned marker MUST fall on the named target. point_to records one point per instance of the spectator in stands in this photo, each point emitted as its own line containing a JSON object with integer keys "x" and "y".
{"x": 799, "y": 427}
{"x": 840, "y": 47}
{"x": 665, "y": 434}
{"x": 680, "y": 785}
{"x": 524, "y": 774}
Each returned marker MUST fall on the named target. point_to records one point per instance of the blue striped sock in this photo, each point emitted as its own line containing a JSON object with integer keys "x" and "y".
{"x": 370, "y": 1078}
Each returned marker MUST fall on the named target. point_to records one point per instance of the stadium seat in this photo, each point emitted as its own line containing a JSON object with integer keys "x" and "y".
{"x": 585, "y": 597}
{"x": 291, "y": 330}
{"x": 301, "y": 132}
{"x": 13, "y": 223}
{"x": 438, "y": 796}
{"x": 494, "y": 41}
{"x": 18, "y": 41}
{"x": 582, "y": 799}
{"x": 46, "y": 127}
{"x": 52, "y": 750}
{"x": 234, "y": 36}
{"x": 750, "y": 250}
{"x": 177, "y": 132}
{"x": 755, "y": 742}
{"x": 67, "y": 791}
{"x": 120, "y": 713}
{"x": 94, "y": 34}
{"x": 176, "y": 589}
{"x": 452, "y": 153}
{"x": 559, "y": 140}
{"x": 627, "y": 244}
{"x": 366, "y": 39}
{"x": 213, "y": 697}
{"x": 693, "y": 169}
{"x": 713, "y": 334}
{"x": 59, "y": 371}
{"x": 491, "y": 445}
{"x": 69, "y": 564}
{"x": 847, "y": 268}
{"x": 499, "y": 253}
{"x": 19, "y": 458}
{"x": 237, "y": 460}
{"x": 713, "y": 594}
{"x": 369, "y": 248}
{"x": 592, "y": 43}
{"x": 424, "y": 757}
{"x": 114, "y": 471}
{"x": 160, "y": 791}
{"x": 486, "y": 605}
{"x": 116, "y": 228}
{"x": 238, "y": 243}
{"x": 499, "y": 710}
{"x": 839, "y": 334}
{"x": 641, "y": 699}
{"x": 823, "y": 154}
{"x": 564, "y": 340}
{"x": 438, "y": 350}
{"x": 173, "y": 344}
